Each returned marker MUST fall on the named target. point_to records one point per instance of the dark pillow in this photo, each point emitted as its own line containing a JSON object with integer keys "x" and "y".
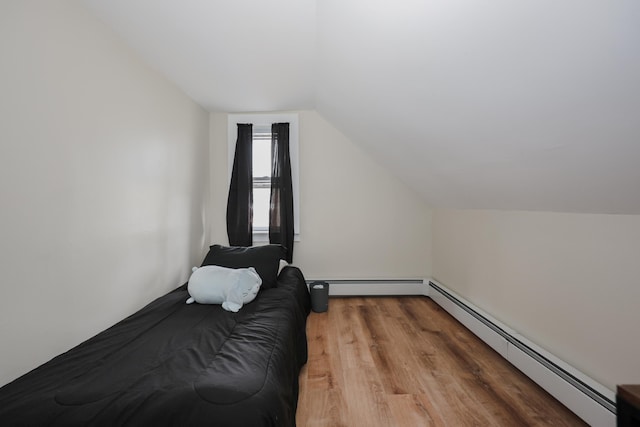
{"x": 265, "y": 259}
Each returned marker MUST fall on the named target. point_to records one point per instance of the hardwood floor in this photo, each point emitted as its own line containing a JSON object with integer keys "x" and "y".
{"x": 403, "y": 361}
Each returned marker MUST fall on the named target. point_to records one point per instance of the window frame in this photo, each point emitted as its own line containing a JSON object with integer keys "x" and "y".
{"x": 265, "y": 120}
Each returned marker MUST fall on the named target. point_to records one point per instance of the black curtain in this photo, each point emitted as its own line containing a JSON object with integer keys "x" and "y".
{"x": 240, "y": 202}
{"x": 281, "y": 202}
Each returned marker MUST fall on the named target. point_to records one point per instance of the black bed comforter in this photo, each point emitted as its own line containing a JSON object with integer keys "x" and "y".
{"x": 173, "y": 364}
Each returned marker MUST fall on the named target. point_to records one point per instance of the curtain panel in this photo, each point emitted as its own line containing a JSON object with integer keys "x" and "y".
{"x": 281, "y": 202}
{"x": 240, "y": 201}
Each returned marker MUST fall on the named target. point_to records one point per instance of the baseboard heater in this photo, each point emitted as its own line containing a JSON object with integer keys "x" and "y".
{"x": 367, "y": 287}
{"x": 588, "y": 399}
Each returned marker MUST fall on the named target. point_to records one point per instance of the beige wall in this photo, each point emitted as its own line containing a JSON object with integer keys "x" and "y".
{"x": 569, "y": 282}
{"x": 356, "y": 219}
{"x": 103, "y": 181}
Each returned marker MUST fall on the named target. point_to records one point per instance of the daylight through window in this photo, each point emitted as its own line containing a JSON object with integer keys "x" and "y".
{"x": 261, "y": 177}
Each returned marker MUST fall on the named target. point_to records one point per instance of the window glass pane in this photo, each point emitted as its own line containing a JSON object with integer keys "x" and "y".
{"x": 261, "y": 157}
{"x": 261, "y": 169}
{"x": 261, "y": 207}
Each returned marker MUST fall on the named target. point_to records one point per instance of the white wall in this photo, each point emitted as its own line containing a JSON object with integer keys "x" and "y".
{"x": 103, "y": 181}
{"x": 569, "y": 282}
{"x": 356, "y": 219}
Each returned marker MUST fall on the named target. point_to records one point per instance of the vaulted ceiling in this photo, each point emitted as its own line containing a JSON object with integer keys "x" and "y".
{"x": 527, "y": 105}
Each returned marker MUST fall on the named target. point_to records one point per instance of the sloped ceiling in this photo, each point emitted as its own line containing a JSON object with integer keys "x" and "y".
{"x": 500, "y": 104}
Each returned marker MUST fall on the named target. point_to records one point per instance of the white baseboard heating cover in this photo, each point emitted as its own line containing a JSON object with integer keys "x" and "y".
{"x": 363, "y": 287}
{"x": 588, "y": 399}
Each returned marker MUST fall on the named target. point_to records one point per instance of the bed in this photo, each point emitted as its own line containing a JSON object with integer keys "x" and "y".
{"x": 173, "y": 364}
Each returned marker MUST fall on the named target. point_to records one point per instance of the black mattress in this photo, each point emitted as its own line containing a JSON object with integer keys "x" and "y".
{"x": 173, "y": 364}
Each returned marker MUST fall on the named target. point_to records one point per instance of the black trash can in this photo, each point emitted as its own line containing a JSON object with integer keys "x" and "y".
{"x": 319, "y": 296}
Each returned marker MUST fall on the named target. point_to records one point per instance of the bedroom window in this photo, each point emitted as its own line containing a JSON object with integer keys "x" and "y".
{"x": 261, "y": 164}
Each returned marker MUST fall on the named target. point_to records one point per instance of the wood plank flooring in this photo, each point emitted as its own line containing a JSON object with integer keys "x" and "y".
{"x": 403, "y": 361}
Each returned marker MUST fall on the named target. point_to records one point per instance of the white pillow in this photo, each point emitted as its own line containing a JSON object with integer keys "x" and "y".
{"x": 231, "y": 287}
